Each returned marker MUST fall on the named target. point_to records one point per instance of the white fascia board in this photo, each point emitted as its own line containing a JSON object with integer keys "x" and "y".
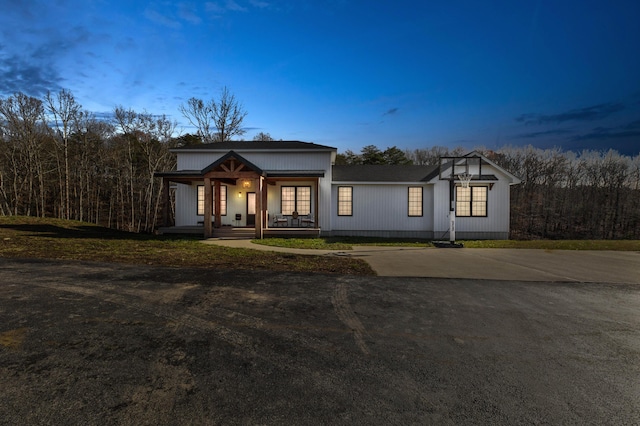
{"x": 359, "y": 182}
{"x": 244, "y": 150}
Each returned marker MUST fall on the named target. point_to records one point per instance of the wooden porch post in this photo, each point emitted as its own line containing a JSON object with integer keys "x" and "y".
{"x": 265, "y": 213}
{"x": 165, "y": 201}
{"x": 208, "y": 232}
{"x": 317, "y": 200}
{"x": 259, "y": 217}
{"x": 218, "y": 213}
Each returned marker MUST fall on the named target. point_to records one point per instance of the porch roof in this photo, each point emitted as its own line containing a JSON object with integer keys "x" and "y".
{"x": 294, "y": 173}
{"x": 199, "y": 175}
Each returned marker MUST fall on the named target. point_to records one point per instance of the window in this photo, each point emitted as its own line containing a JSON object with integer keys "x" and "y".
{"x": 345, "y": 201}
{"x": 471, "y": 201}
{"x": 200, "y": 200}
{"x": 223, "y": 200}
{"x": 415, "y": 201}
{"x": 295, "y": 199}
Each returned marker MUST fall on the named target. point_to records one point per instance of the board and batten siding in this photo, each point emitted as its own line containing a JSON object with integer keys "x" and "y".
{"x": 186, "y": 195}
{"x": 274, "y": 160}
{"x": 381, "y": 209}
{"x": 494, "y": 226}
{"x": 187, "y": 205}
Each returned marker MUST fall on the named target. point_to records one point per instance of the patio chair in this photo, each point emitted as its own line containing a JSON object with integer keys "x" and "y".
{"x": 307, "y": 220}
{"x": 280, "y": 220}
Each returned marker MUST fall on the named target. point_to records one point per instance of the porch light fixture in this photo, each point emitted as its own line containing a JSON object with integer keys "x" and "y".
{"x": 239, "y": 194}
{"x": 246, "y": 183}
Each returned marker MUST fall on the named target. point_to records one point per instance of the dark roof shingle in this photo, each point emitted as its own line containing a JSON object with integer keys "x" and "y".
{"x": 382, "y": 173}
{"x": 255, "y": 145}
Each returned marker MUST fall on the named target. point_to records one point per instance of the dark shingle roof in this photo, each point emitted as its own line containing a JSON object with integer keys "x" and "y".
{"x": 255, "y": 145}
{"x": 382, "y": 173}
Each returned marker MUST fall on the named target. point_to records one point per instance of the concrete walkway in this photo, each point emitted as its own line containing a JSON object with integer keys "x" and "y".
{"x": 494, "y": 264}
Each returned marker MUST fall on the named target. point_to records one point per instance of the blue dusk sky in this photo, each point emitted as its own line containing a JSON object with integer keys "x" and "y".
{"x": 411, "y": 74}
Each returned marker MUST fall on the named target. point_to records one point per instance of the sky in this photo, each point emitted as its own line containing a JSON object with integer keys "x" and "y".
{"x": 347, "y": 73}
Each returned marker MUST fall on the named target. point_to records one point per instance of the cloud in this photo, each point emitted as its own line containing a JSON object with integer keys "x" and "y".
{"x": 232, "y": 5}
{"x": 188, "y": 13}
{"x": 592, "y": 113}
{"x": 624, "y": 138}
{"x": 158, "y": 18}
{"x": 633, "y": 125}
{"x": 629, "y": 131}
{"x": 33, "y": 79}
{"x": 259, "y": 4}
{"x": 391, "y": 111}
{"x": 532, "y": 135}
{"x": 219, "y": 8}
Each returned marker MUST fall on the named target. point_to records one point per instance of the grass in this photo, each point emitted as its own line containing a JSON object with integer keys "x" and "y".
{"x": 347, "y": 243}
{"x": 29, "y": 237}
{"x": 617, "y": 245}
{"x": 340, "y": 243}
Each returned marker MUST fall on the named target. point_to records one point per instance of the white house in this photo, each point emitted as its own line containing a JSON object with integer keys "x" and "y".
{"x": 290, "y": 187}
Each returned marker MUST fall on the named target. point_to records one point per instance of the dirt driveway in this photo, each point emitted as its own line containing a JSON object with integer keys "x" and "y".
{"x": 90, "y": 343}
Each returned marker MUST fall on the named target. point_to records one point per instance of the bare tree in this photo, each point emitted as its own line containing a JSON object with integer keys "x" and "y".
{"x": 199, "y": 115}
{"x": 216, "y": 121}
{"x": 22, "y": 119}
{"x": 263, "y": 137}
{"x": 64, "y": 111}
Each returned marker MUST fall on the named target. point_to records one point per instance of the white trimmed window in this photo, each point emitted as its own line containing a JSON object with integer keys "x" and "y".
{"x": 223, "y": 200}
{"x": 295, "y": 199}
{"x": 345, "y": 201}
{"x": 415, "y": 201}
{"x": 471, "y": 201}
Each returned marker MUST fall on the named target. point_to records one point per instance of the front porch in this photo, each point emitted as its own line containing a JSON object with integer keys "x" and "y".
{"x": 242, "y": 232}
{"x": 239, "y": 197}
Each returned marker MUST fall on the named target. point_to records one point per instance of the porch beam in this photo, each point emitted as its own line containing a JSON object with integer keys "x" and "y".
{"x": 208, "y": 201}
{"x": 232, "y": 175}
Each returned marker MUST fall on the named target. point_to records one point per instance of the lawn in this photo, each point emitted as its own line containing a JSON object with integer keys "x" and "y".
{"x": 617, "y": 245}
{"x": 341, "y": 243}
{"x": 29, "y": 237}
{"x": 347, "y": 243}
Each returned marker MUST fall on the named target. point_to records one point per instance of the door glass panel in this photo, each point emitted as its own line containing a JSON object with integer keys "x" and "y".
{"x": 251, "y": 203}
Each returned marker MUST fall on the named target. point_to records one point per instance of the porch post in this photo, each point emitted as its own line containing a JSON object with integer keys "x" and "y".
{"x": 208, "y": 232}
{"x": 165, "y": 201}
{"x": 265, "y": 216}
{"x": 317, "y": 200}
{"x": 218, "y": 213}
{"x": 259, "y": 217}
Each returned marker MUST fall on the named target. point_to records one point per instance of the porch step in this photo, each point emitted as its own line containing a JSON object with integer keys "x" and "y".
{"x": 234, "y": 233}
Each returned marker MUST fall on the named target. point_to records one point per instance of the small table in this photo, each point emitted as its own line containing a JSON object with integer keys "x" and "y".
{"x": 295, "y": 217}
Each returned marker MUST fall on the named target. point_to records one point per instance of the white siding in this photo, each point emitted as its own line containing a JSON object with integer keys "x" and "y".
{"x": 187, "y": 205}
{"x": 186, "y": 196}
{"x": 275, "y": 160}
{"x": 382, "y": 207}
{"x": 495, "y": 225}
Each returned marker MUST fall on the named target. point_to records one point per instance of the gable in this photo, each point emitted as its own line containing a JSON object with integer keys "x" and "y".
{"x": 232, "y": 162}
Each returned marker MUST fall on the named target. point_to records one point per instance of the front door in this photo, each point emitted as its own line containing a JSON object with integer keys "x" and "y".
{"x": 251, "y": 209}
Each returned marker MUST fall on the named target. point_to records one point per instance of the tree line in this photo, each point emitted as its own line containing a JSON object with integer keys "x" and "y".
{"x": 58, "y": 160}
{"x": 563, "y": 194}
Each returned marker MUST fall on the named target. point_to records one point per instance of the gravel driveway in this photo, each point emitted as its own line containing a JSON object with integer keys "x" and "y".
{"x": 91, "y": 343}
